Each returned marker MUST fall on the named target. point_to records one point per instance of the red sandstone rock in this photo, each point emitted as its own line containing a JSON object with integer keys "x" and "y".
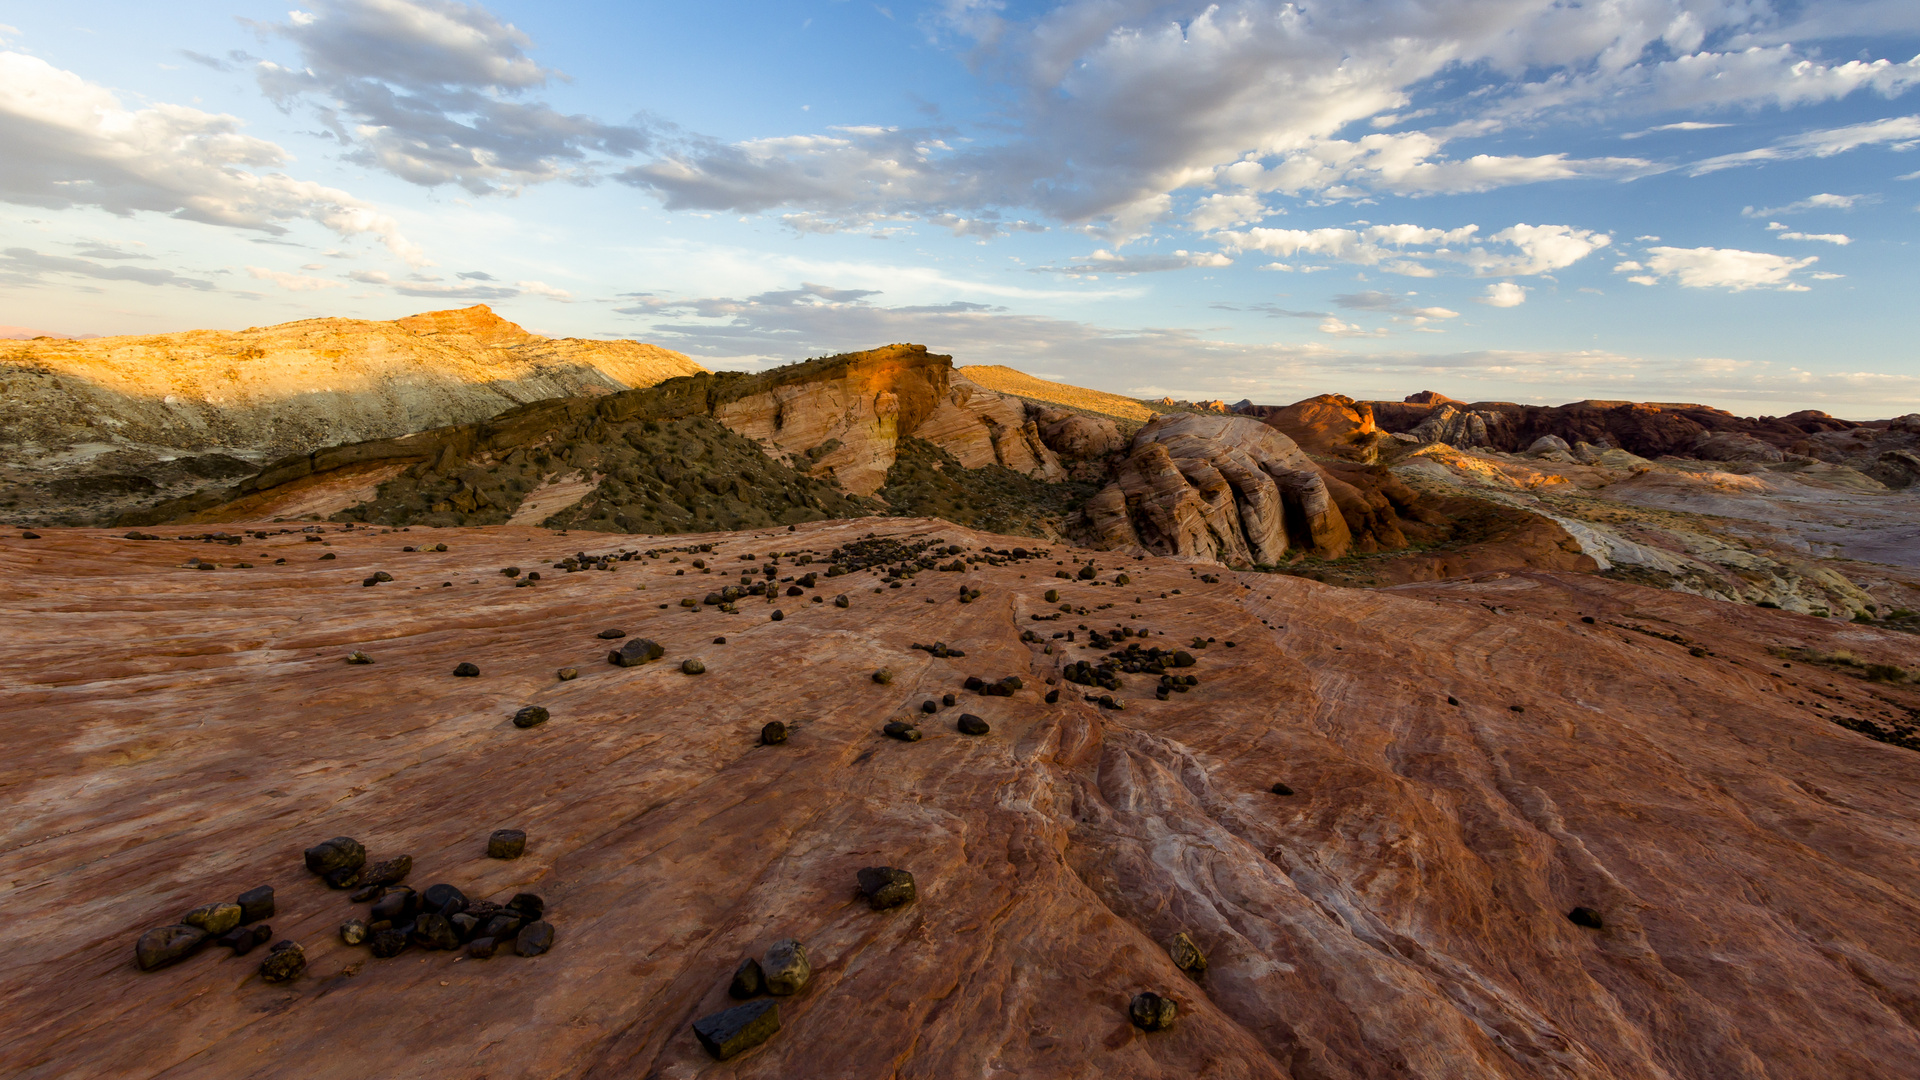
{"x": 178, "y": 735}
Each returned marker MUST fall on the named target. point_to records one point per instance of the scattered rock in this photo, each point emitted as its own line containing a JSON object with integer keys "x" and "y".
{"x": 358, "y": 657}
{"x": 1052, "y": 698}
{"x": 1585, "y": 916}
{"x": 506, "y": 844}
{"x": 636, "y": 651}
{"x": 734, "y": 1031}
{"x": 1151, "y": 1012}
{"x": 692, "y": 667}
{"x": 29, "y": 536}
{"x": 332, "y": 856}
{"x": 883, "y": 676}
{"x": 970, "y": 724}
{"x": 465, "y": 926}
{"x": 611, "y": 635}
{"x": 285, "y": 963}
{"x": 840, "y": 601}
{"x": 786, "y": 968}
{"x": 388, "y": 871}
{"x": 511, "y": 571}
{"x": 242, "y": 939}
{"x": 353, "y": 931}
{"x": 948, "y": 701}
{"x": 1281, "y": 789}
{"x": 481, "y": 948}
{"x": 886, "y": 887}
{"x": 719, "y": 641}
{"x": 432, "y": 931}
{"x": 526, "y": 905}
{"x": 387, "y": 943}
{"x": 535, "y": 938}
{"x": 213, "y": 918}
{"x": 167, "y": 945}
{"x": 255, "y": 904}
{"x": 773, "y": 734}
{"x": 900, "y": 729}
{"x": 531, "y": 716}
{"x": 567, "y": 674}
{"x": 443, "y": 899}
{"x": 1186, "y": 955}
{"x": 748, "y": 980}
{"x": 467, "y": 671}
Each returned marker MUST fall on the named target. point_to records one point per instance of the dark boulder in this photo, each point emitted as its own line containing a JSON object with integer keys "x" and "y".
{"x": 900, "y": 729}
{"x": 611, "y": 635}
{"x": 531, "y": 716}
{"x": 242, "y": 939}
{"x": 256, "y": 904}
{"x": 506, "y": 844}
{"x": 481, "y": 948}
{"x": 636, "y": 651}
{"x": 970, "y": 724}
{"x": 535, "y": 938}
{"x": 213, "y": 918}
{"x": 734, "y": 1031}
{"x": 339, "y": 853}
{"x": 1151, "y": 1012}
{"x": 748, "y": 980}
{"x": 285, "y": 963}
{"x": 167, "y": 945}
{"x": 773, "y": 733}
{"x": 1281, "y": 789}
{"x": 527, "y": 906}
{"x": 353, "y": 932}
{"x": 388, "y": 871}
{"x": 397, "y": 906}
{"x": 1186, "y": 955}
{"x": 432, "y": 931}
{"x": 387, "y": 943}
{"x": 1587, "y": 917}
{"x": 886, "y": 887}
{"x": 466, "y": 671}
{"x": 786, "y": 968}
{"x": 444, "y": 899}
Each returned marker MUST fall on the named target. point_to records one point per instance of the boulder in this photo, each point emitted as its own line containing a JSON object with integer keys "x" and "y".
{"x": 339, "y": 853}
{"x": 886, "y": 887}
{"x": 214, "y": 918}
{"x": 734, "y": 1031}
{"x": 466, "y": 671}
{"x": 1186, "y": 955}
{"x": 1152, "y": 1012}
{"x": 773, "y": 733}
{"x": 506, "y": 844}
{"x": 636, "y": 651}
{"x": 256, "y": 904}
{"x": 785, "y": 968}
{"x": 748, "y": 980}
{"x": 531, "y": 716}
{"x": 353, "y": 932}
{"x": 534, "y": 938}
{"x": 391, "y": 871}
{"x": 969, "y": 724}
{"x": 284, "y": 963}
{"x": 167, "y": 945}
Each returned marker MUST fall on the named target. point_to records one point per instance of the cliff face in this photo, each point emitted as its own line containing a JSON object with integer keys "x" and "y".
{"x": 111, "y": 408}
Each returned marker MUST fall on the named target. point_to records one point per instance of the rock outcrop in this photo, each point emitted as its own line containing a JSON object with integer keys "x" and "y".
{"x": 1225, "y": 488}
{"x": 1330, "y": 424}
{"x": 104, "y": 412}
{"x": 1375, "y": 813}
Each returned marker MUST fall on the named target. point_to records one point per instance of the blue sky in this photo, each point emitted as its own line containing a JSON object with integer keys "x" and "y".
{"x": 1512, "y": 199}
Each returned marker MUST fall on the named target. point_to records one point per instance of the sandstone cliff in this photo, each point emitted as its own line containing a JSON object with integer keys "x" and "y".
{"x": 111, "y": 408}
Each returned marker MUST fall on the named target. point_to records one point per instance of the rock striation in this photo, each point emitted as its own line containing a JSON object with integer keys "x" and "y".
{"x": 1218, "y": 488}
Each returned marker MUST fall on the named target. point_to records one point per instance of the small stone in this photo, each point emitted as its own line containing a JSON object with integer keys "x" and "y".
{"x": 323, "y": 558}
{"x": 343, "y": 878}
{"x": 502, "y": 927}
{"x": 1012, "y": 682}
{"x": 886, "y": 887}
{"x": 388, "y": 871}
{"x": 256, "y": 904}
{"x": 773, "y": 734}
{"x": 395, "y": 906}
{"x": 382, "y": 575}
{"x": 719, "y": 641}
{"x": 1151, "y": 1012}
{"x": 481, "y": 948}
{"x": 465, "y": 926}
{"x": 242, "y": 939}
{"x": 948, "y": 701}
{"x": 167, "y": 945}
{"x": 1281, "y": 789}
{"x": 432, "y": 931}
{"x": 900, "y": 729}
{"x": 748, "y": 980}
{"x": 511, "y": 571}
{"x": 1587, "y": 917}
{"x": 527, "y": 906}
{"x": 506, "y": 844}
{"x": 1052, "y": 698}
{"x": 29, "y": 536}
{"x": 531, "y": 716}
{"x": 213, "y": 918}
{"x": 1186, "y": 955}
{"x": 467, "y": 671}
{"x": 284, "y": 963}
{"x": 387, "y": 943}
{"x": 929, "y": 706}
{"x": 840, "y": 601}
{"x": 778, "y": 615}
{"x": 368, "y": 894}
{"x": 974, "y": 683}
{"x": 358, "y": 657}
{"x": 444, "y": 899}
{"x": 341, "y": 852}
{"x": 636, "y": 651}
{"x": 692, "y": 667}
{"x": 734, "y": 1031}
{"x": 1183, "y": 658}
{"x": 535, "y": 938}
{"x": 567, "y": 674}
{"x": 611, "y": 634}
{"x": 353, "y": 931}
{"x": 786, "y": 967}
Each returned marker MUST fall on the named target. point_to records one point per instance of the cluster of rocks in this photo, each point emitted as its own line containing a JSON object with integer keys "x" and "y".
{"x": 579, "y": 561}
{"x": 1000, "y": 688}
{"x": 939, "y": 648}
{"x": 230, "y": 924}
{"x": 439, "y": 918}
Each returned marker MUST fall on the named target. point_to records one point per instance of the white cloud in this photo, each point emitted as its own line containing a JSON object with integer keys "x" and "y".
{"x": 294, "y": 282}
{"x": 70, "y": 142}
{"x": 1334, "y": 327}
{"x": 541, "y": 288}
{"x": 1898, "y": 132}
{"x": 1684, "y": 125}
{"x": 1822, "y": 201}
{"x": 1411, "y": 250}
{"x": 1107, "y": 262}
{"x": 1225, "y": 211}
{"x": 1724, "y": 268}
{"x": 1828, "y": 238}
{"x": 1503, "y": 294}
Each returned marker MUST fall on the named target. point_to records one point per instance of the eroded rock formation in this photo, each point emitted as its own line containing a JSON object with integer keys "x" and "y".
{"x": 1224, "y": 488}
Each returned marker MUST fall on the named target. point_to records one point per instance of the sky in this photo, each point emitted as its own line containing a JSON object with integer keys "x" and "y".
{"x": 1709, "y": 201}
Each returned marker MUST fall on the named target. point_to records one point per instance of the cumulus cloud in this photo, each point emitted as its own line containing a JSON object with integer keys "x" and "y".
{"x": 1896, "y": 132}
{"x": 294, "y": 282}
{"x": 1503, "y": 294}
{"x": 1411, "y": 250}
{"x": 1719, "y": 268}
{"x": 72, "y": 143}
{"x": 433, "y": 91}
{"x": 541, "y": 288}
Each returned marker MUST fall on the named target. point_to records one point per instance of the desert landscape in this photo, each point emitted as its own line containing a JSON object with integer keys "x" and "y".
{"x": 872, "y": 716}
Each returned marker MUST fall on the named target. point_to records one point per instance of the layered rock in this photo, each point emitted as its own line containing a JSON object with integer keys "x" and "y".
{"x": 1331, "y": 424}
{"x": 1224, "y": 488}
